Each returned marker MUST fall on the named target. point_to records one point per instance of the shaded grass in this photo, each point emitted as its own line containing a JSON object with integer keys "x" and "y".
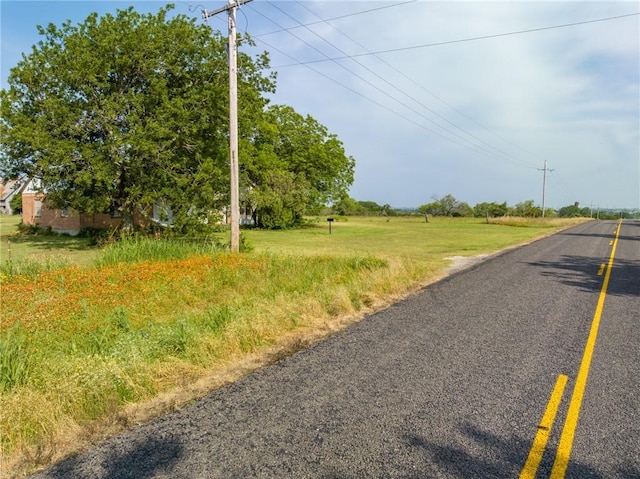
{"x": 27, "y": 250}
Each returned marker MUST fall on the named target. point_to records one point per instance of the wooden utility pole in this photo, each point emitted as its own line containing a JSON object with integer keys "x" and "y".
{"x": 230, "y": 8}
{"x": 544, "y": 183}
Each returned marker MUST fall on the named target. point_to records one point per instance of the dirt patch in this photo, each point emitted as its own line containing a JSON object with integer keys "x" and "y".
{"x": 460, "y": 263}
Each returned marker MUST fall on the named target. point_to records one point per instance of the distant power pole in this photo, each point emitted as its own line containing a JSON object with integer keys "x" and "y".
{"x": 230, "y": 8}
{"x": 544, "y": 183}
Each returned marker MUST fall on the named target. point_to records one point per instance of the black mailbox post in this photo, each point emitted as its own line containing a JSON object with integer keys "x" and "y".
{"x": 330, "y": 220}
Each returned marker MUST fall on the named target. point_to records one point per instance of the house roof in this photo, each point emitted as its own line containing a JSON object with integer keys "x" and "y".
{"x": 10, "y": 188}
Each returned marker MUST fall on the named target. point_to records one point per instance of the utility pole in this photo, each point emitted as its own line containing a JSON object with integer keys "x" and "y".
{"x": 230, "y": 8}
{"x": 544, "y": 183}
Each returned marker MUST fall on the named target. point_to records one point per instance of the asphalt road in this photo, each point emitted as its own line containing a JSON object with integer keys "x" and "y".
{"x": 452, "y": 382}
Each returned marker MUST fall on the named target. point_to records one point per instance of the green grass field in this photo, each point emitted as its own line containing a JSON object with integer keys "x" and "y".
{"x": 398, "y": 237}
{"x": 94, "y": 339}
{"x": 395, "y": 237}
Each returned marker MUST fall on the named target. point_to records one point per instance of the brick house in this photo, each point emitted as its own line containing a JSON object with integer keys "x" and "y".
{"x": 35, "y": 212}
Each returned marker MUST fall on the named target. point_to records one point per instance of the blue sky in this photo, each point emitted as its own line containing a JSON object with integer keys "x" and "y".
{"x": 436, "y": 98}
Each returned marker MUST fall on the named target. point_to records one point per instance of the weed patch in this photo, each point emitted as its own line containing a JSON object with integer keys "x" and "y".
{"x": 14, "y": 360}
{"x": 136, "y": 249}
{"x": 29, "y": 268}
{"x": 88, "y": 341}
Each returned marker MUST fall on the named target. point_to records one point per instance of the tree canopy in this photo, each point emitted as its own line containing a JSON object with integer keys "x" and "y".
{"x": 526, "y": 209}
{"x": 574, "y": 210}
{"x": 347, "y": 206}
{"x": 492, "y": 209}
{"x": 445, "y": 206}
{"x": 124, "y": 111}
{"x": 313, "y": 159}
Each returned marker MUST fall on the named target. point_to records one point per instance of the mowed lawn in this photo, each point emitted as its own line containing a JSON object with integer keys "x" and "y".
{"x": 90, "y": 344}
{"x": 401, "y": 237}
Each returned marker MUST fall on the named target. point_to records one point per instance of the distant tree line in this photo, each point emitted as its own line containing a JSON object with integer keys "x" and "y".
{"x": 347, "y": 206}
{"x": 448, "y": 205}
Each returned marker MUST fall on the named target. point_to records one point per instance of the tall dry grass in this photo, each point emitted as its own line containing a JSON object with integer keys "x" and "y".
{"x": 537, "y": 222}
{"x": 79, "y": 346}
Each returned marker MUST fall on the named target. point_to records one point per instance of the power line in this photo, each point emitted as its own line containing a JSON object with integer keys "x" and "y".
{"x": 273, "y": 47}
{"x": 282, "y": 29}
{"x": 473, "y": 147}
{"x": 348, "y": 88}
{"x": 376, "y": 54}
{"x": 384, "y": 107}
{"x": 462, "y": 40}
{"x": 557, "y": 183}
{"x": 508, "y": 157}
{"x": 386, "y": 93}
{"x": 418, "y": 124}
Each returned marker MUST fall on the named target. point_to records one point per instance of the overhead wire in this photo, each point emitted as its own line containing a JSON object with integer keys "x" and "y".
{"x": 377, "y": 55}
{"x": 557, "y": 183}
{"x": 470, "y": 39}
{"x": 471, "y": 146}
{"x": 274, "y": 48}
{"x": 395, "y": 87}
{"x": 385, "y": 93}
{"x": 353, "y": 14}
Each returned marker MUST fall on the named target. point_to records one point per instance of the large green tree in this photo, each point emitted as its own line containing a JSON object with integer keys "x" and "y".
{"x": 280, "y": 200}
{"x": 347, "y": 206}
{"x": 574, "y": 210}
{"x": 126, "y": 110}
{"x": 303, "y": 151}
{"x": 492, "y": 210}
{"x": 526, "y": 209}
{"x": 445, "y": 206}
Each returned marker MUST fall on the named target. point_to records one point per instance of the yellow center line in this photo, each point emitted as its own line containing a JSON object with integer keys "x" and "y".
{"x": 568, "y": 431}
{"x": 601, "y": 269}
{"x": 544, "y": 429}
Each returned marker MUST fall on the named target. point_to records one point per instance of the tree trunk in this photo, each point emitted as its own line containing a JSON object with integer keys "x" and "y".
{"x": 127, "y": 226}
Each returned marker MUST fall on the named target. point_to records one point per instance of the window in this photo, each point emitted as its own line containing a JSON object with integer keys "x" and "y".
{"x": 37, "y": 208}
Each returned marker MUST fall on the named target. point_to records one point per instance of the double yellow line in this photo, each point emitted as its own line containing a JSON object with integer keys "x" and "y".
{"x": 568, "y": 431}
